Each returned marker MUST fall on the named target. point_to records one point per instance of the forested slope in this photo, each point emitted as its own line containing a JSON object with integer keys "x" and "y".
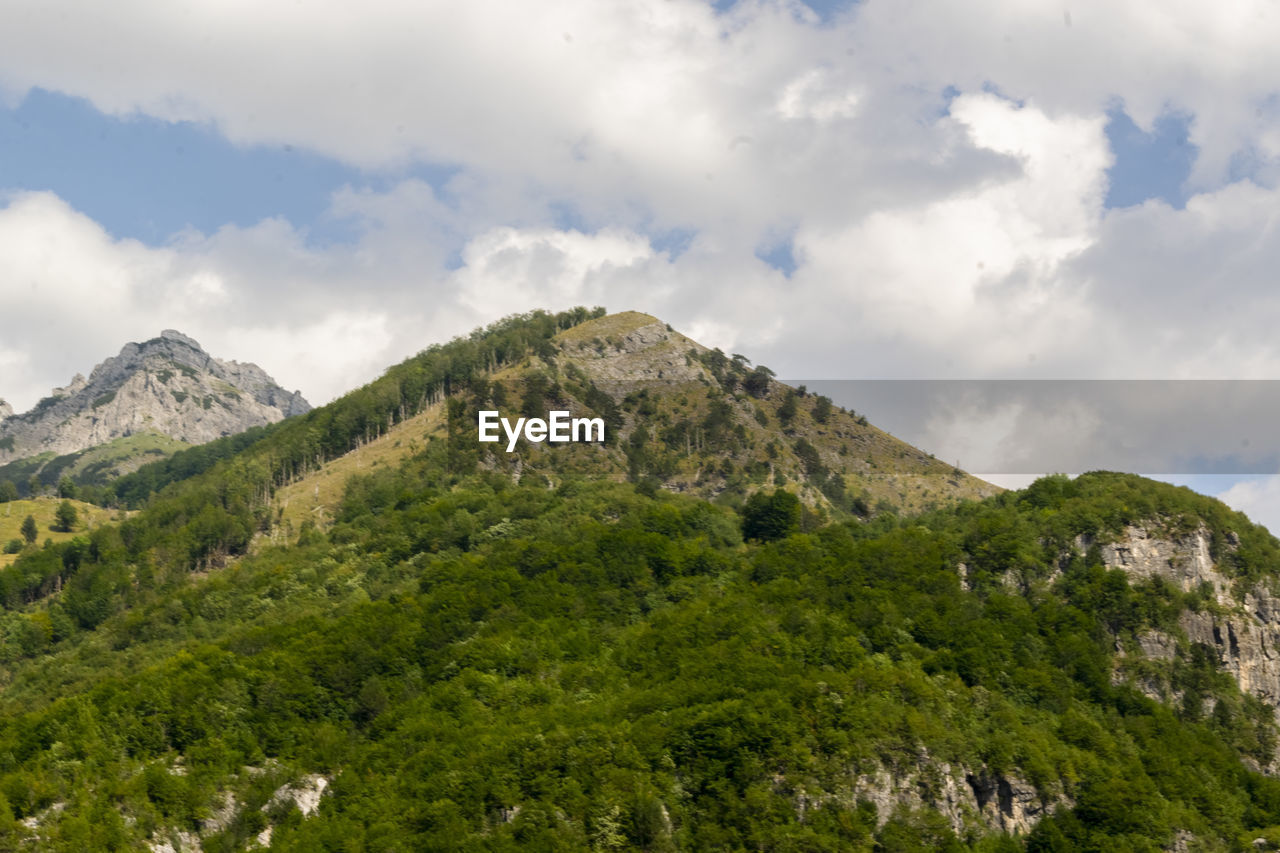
{"x": 467, "y": 659}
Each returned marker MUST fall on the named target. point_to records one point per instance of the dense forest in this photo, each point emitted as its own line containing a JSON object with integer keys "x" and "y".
{"x": 472, "y": 662}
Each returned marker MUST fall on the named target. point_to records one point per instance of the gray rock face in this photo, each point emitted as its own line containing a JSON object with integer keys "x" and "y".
{"x": 648, "y": 353}
{"x": 5, "y": 410}
{"x": 1243, "y": 631}
{"x": 967, "y": 799}
{"x": 167, "y": 385}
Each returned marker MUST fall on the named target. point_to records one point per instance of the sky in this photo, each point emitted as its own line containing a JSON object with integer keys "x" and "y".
{"x": 885, "y": 189}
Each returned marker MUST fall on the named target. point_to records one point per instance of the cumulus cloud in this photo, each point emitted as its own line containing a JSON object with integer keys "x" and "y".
{"x": 1257, "y": 498}
{"x": 73, "y": 295}
{"x": 937, "y": 173}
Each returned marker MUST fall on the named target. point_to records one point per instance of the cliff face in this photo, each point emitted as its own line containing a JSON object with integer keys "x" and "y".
{"x": 1243, "y": 632}
{"x": 969, "y": 800}
{"x": 167, "y": 385}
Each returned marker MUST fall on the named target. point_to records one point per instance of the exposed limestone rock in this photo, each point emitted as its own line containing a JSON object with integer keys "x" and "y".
{"x": 6, "y": 410}
{"x": 1184, "y": 561}
{"x": 168, "y": 385}
{"x": 221, "y": 815}
{"x": 35, "y": 823}
{"x": 1007, "y": 804}
{"x": 978, "y": 799}
{"x": 176, "y": 841}
{"x": 305, "y": 794}
{"x": 650, "y": 352}
{"x": 1158, "y": 645}
{"x": 1245, "y": 634}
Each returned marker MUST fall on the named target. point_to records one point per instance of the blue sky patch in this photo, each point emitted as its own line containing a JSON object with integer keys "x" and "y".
{"x": 147, "y": 179}
{"x": 779, "y": 255}
{"x": 674, "y": 242}
{"x": 825, "y": 9}
{"x": 1149, "y": 165}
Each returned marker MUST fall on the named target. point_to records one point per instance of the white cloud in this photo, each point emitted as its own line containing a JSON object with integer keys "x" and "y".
{"x": 73, "y": 295}
{"x": 521, "y": 270}
{"x": 939, "y": 229}
{"x": 976, "y": 274}
{"x": 1257, "y": 498}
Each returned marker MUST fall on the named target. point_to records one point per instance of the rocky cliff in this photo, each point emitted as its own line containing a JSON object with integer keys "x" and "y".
{"x": 1239, "y": 623}
{"x": 168, "y": 385}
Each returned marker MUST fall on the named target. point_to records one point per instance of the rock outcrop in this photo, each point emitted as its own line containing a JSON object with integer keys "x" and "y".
{"x": 6, "y": 411}
{"x": 168, "y": 385}
{"x": 1241, "y": 627}
{"x": 967, "y": 799}
{"x": 642, "y": 350}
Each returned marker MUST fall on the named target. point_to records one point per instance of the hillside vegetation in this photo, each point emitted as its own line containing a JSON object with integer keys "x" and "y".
{"x": 94, "y": 469}
{"x": 467, "y": 653}
{"x": 44, "y": 512}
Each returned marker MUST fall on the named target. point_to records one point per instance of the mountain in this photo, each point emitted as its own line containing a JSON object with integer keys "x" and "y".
{"x": 165, "y": 387}
{"x": 682, "y": 417}
{"x": 628, "y": 645}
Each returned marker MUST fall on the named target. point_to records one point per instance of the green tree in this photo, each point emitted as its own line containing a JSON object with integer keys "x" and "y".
{"x": 822, "y": 409}
{"x": 770, "y": 517}
{"x": 66, "y": 487}
{"x": 29, "y": 530}
{"x": 757, "y": 382}
{"x": 787, "y": 411}
{"x": 8, "y": 491}
{"x": 33, "y": 486}
{"x": 66, "y": 516}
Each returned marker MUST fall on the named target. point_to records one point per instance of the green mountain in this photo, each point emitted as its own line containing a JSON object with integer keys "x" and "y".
{"x": 680, "y": 417}
{"x": 605, "y": 647}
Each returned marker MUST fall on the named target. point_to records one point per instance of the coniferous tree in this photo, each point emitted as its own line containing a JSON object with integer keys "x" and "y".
{"x": 822, "y": 409}
{"x": 29, "y": 530}
{"x": 787, "y": 411}
{"x": 66, "y": 516}
{"x": 66, "y": 487}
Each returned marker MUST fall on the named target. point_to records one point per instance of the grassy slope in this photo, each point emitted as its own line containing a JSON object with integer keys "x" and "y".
{"x": 12, "y": 515}
{"x": 315, "y": 496}
{"x": 96, "y": 465}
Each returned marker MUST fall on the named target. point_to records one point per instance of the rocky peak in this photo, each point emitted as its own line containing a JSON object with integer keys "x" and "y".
{"x": 167, "y": 384}
{"x": 5, "y": 410}
{"x": 632, "y": 348}
{"x": 178, "y": 337}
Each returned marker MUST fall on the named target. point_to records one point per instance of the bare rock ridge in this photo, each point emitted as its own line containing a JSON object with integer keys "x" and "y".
{"x": 168, "y": 385}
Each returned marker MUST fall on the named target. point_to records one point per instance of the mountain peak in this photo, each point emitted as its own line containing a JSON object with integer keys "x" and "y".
{"x": 175, "y": 335}
{"x": 167, "y": 385}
